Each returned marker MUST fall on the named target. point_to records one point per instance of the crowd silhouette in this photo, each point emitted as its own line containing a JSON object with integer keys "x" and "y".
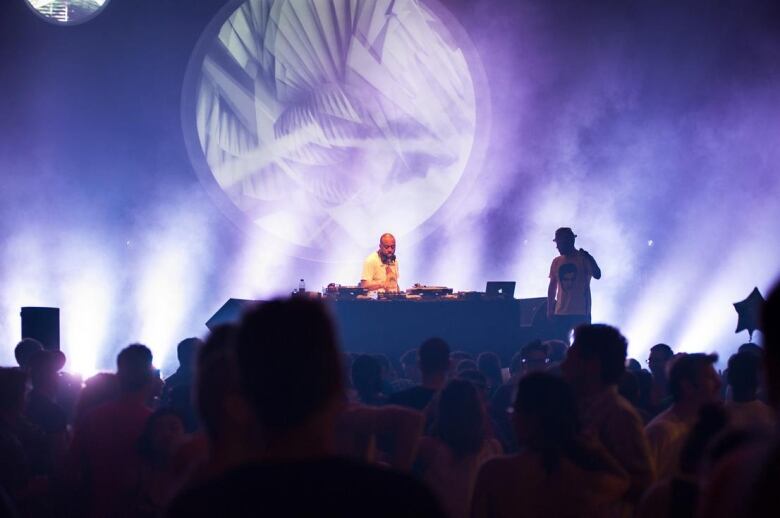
{"x": 269, "y": 416}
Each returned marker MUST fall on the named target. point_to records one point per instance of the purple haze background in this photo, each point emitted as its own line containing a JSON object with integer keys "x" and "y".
{"x": 636, "y": 123}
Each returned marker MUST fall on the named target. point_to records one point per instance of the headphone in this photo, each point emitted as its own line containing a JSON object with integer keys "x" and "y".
{"x": 390, "y": 259}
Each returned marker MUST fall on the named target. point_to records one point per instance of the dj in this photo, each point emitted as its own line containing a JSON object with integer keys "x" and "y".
{"x": 380, "y": 269}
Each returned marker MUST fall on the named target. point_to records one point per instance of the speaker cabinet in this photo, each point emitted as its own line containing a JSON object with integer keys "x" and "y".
{"x": 43, "y": 324}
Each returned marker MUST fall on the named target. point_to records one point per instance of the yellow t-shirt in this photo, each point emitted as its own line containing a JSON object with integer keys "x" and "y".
{"x": 374, "y": 270}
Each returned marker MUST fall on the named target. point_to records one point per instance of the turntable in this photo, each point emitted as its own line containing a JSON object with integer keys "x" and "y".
{"x": 340, "y": 291}
{"x": 429, "y": 291}
{"x": 391, "y": 295}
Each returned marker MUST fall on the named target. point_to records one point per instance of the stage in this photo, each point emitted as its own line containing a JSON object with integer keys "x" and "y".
{"x": 392, "y": 327}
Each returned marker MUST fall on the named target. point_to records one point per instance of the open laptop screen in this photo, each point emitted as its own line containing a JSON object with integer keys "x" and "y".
{"x": 500, "y": 289}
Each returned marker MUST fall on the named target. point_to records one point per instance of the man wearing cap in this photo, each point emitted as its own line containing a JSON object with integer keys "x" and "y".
{"x": 568, "y": 296}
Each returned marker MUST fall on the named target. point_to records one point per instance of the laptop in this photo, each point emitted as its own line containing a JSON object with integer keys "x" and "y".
{"x": 500, "y": 289}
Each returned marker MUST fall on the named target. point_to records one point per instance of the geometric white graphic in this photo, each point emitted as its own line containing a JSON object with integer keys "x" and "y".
{"x": 335, "y": 120}
{"x": 67, "y": 12}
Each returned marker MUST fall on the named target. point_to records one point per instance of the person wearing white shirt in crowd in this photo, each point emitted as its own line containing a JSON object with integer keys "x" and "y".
{"x": 693, "y": 383}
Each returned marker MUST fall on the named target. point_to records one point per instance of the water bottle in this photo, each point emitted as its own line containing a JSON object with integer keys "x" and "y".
{"x": 301, "y": 286}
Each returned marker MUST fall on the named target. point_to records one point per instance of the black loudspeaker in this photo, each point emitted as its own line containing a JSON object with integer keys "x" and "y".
{"x": 43, "y": 324}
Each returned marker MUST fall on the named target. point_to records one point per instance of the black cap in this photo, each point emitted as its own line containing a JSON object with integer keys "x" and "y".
{"x": 564, "y": 233}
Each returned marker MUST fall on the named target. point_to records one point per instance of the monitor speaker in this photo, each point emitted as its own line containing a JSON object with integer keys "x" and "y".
{"x": 43, "y": 324}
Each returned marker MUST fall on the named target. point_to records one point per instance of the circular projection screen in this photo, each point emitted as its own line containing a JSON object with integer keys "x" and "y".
{"x": 324, "y": 124}
{"x": 67, "y": 12}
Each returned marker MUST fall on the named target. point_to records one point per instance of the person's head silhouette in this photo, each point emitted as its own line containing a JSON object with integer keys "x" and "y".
{"x": 659, "y": 357}
{"x": 290, "y": 366}
{"x": 564, "y": 240}
{"x": 596, "y": 359}
{"x": 460, "y": 418}
{"x": 187, "y": 351}
{"x": 743, "y": 375}
{"x": 24, "y": 351}
{"x": 134, "y": 368}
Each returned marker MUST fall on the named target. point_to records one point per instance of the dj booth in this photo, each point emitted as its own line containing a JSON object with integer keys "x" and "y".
{"x": 392, "y": 327}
